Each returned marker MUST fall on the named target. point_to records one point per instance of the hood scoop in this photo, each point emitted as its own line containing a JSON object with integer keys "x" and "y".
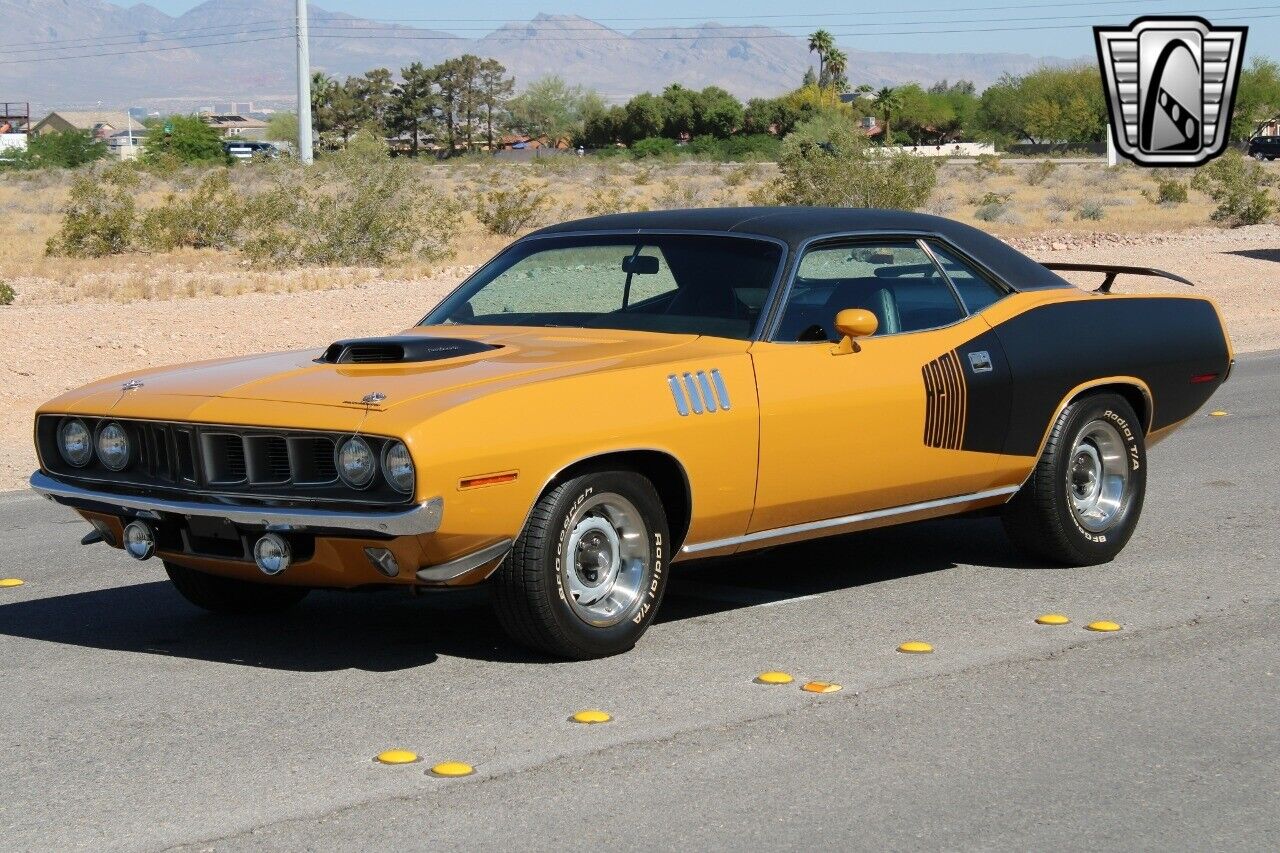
{"x": 401, "y": 349}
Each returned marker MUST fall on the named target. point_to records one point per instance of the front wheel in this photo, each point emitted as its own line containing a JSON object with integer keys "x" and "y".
{"x": 229, "y": 595}
{"x": 1082, "y": 502}
{"x": 586, "y": 575}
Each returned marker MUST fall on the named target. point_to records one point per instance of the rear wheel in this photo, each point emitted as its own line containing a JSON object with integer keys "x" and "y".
{"x": 1082, "y": 501}
{"x": 229, "y": 595}
{"x": 586, "y": 575}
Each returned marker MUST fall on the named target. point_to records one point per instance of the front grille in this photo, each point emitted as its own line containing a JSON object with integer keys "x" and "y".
{"x": 245, "y": 461}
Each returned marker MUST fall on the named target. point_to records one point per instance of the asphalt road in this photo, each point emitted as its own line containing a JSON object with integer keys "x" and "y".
{"x": 130, "y": 721}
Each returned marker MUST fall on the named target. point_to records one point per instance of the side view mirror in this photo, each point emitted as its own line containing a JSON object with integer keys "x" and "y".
{"x": 853, "y": 323}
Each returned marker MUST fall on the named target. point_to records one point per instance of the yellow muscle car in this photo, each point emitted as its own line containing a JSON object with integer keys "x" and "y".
{"x": 611, "y": 396}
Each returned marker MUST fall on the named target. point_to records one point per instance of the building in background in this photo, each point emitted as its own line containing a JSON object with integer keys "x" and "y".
{"x": 127, "y": 144}
{"x": 236, "y": 125}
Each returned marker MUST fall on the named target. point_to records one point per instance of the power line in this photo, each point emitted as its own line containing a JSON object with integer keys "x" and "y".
{"x": 258, "y": 26}
{"x": 401, "y": 34}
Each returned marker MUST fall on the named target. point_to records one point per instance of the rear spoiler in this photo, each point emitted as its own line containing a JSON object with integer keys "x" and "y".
{"x": 1111, "y": 271}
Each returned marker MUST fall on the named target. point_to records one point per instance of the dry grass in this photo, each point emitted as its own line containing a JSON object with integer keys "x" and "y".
{"x": 1028, "y": 205}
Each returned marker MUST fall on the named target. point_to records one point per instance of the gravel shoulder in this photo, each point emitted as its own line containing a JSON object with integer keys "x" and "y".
{"x": 48, "y": 349}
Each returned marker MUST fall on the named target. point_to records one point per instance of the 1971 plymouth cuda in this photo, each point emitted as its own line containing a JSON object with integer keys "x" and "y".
{"x": 610, "y": 396}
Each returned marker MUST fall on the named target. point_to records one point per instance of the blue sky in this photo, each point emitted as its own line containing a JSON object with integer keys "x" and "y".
{"x": 857, "y": 25}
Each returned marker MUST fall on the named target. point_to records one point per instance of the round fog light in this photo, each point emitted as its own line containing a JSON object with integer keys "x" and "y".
{"x": 139, "y": 540}
{"x": 271, "y": 553}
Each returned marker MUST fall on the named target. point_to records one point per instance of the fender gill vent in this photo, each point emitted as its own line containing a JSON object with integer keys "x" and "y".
{"x": 946, "y": 398}
{"x": 403, "y": 349}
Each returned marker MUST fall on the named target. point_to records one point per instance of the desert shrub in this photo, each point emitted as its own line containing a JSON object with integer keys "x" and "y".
{"x": 738, "y": 176}
{"x": 990, "y": 163}
{"x": 99, "y": 216}
{"x": 506, "y": 210}
{"x": 1091, "y": 210}
{"x": 1001, "y": 211}
{"x": 654, "y": 146}
{"x": 7, "y": 293}
{"x": 844, "y": 170}
{"x": 208, "y": 216}
{"x": 1040, "y": 172}
{"x": 1169, "y": 191}
{"x": 605, "y": 200}
{"x": 1239, "y": 186}
{"x": 358, "y": 206}
{"x": 989, "y": 198}
{"x": 679, "y": 194}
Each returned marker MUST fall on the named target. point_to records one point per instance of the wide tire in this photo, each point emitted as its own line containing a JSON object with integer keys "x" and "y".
{"x": 586, "y": 575}
{"x": 1083, "y": 500}
{"x": 228, "y": 595}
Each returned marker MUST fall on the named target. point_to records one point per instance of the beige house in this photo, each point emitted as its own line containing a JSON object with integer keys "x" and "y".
{"x": 102, "y": 123}
{"x": 236, "y": 125}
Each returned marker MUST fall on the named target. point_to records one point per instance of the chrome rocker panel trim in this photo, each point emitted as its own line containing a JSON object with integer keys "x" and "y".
{"x": 411, "y": 521}
{"x": 845, "y": 520}
{"x": 457, "y": 568}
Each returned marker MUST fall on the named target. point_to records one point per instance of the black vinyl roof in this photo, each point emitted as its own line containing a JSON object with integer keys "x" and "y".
{"x": 796, "y": 225}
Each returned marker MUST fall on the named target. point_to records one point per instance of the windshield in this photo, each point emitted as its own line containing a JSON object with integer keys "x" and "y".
{"x": 680, "y": 283}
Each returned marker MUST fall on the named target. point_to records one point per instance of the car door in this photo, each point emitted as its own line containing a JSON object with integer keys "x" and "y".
{"x": 916, "y": 412}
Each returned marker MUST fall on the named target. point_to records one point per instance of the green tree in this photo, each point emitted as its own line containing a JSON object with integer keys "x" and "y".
{"x": 376, "y": 89}
{"x": 1258, "y": 98}
{"x": 495, "y": 90}
{"x": 414, "y": 103}
{"x": 550, "y": 107}
{"x": 886, "y": 102}
{"x": 65, "y": 149}
{"x": 835, "y": 166}
{"x": 645, "y": 118}
{"x": 822, "y": 43}
{"x": 283, "y": 127}
{"x": 717, "y": 113}
{"x": 186, "y": 139}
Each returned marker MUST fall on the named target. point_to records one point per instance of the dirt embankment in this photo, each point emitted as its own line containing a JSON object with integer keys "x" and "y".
{"x": 49, "y": 348}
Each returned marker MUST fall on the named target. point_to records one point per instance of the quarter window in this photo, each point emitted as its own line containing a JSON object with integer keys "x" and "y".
{"x": 896, "y": 281}
{"x": 975, "y": 289}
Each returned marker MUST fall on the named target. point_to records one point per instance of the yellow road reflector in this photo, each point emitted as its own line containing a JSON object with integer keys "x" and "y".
{"x": 774, "y": 677}
{"x": 452, "y": 768}
{"x": 1103, "y": 625}
{"x": 822, "y": 687}
{"x": 915, "y": 647}
{"x": 397, "y": 756}
{"x": 1218, "y": 413}
{"x": 591, "y": 716}
{"x": 11, "y": 582}
{"x": 1052, "y": 619}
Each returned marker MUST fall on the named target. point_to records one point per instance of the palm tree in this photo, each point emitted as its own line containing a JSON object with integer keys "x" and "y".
{"x": 837, "y": 64}
{"x": 886, "y": 102}
{"x": 822, "y": 43}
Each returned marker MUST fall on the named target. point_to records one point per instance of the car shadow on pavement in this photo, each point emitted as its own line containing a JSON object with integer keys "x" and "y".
{"x": 1257, "y": 254}
{"x": 387, "y": 631}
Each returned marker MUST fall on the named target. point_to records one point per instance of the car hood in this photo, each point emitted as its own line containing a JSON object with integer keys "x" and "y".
{"x": 518, "y": 355}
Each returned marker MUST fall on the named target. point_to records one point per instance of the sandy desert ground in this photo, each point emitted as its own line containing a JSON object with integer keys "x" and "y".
{"x": 49, "y": 347}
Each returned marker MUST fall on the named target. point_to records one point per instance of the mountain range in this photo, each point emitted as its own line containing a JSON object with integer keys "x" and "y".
{"x": 53, "y": 53}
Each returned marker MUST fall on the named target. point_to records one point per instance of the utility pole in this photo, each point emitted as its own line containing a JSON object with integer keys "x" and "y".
{"x": 304, "y": 87}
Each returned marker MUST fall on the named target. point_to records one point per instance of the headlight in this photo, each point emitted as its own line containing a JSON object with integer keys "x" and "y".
{"x": 113, "y": 447}
{"x": 397, "y": 466}
{"x": 356, "y": 464}
{"x": 75, "y": 443}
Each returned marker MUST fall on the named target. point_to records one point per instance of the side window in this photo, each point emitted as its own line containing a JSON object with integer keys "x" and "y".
{"x": 896, "y": 281}
{"x": 976, "y": 290}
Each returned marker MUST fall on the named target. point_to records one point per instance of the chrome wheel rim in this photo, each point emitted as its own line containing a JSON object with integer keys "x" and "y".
{"x": 1098, "y": 476}
{"x": 606, "y": 559}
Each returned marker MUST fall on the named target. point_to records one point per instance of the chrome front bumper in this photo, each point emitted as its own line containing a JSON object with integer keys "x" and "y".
{"x": 411, "y": 521}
